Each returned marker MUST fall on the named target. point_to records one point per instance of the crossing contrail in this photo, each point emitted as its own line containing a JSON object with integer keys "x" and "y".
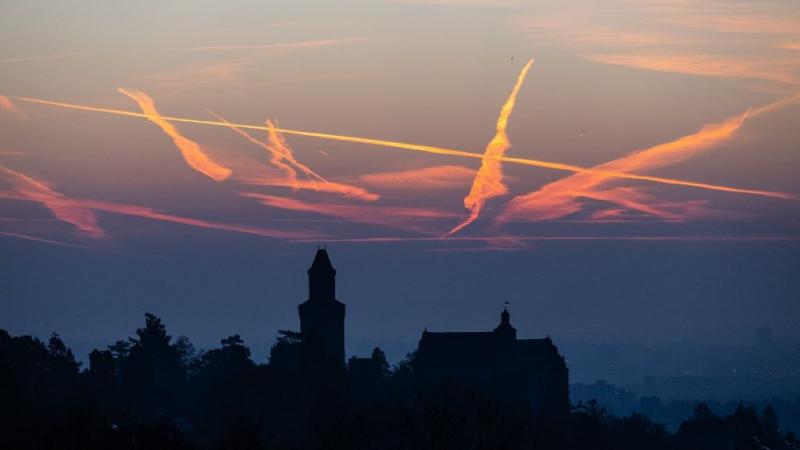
{"x": 488, "y": 182}
{"x": 423, "y": 148}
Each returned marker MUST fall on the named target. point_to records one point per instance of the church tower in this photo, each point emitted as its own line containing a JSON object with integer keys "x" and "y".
{"x": 505, "y": 329}
{"x": 322, "y": 316}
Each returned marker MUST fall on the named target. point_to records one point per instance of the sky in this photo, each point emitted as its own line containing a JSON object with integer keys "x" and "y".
{"x": 618, "y": 171}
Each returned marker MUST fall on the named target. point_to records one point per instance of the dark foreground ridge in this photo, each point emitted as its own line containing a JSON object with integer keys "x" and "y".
{"x": 477, "y": 390}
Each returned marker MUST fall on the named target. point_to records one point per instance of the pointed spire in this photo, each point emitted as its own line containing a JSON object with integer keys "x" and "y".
{"x": 321, "y": 262}
{"x": 321, "y": 277}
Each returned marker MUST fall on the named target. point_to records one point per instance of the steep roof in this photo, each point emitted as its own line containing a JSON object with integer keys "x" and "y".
{"x": 322, "y": 263}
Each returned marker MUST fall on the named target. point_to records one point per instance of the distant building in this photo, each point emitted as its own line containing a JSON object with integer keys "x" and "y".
{"x": 322, "y": 316}
{"x": 530, "y": 371}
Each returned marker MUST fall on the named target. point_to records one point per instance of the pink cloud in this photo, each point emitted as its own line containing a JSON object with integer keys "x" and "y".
{"x": 193, "y": 153}
{"x": 62, "y": 207}
{"x": 7, "y": 105}
{"x": 422, "y": 179}
{"x": 391, "y": 216}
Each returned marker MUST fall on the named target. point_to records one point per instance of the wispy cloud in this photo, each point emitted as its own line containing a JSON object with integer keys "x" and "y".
{"x": 7, "y": 105}
{"x": 636, "y": 200}
{"x": 148, "y": 213}
{"x": 23, "y": 59}
{"x": 702, "y": 64}
{"x": 280, "y": 151}
{"x": 282, "y": 157}
{"x": 227, "y": 72}
{"x": 65, "y": 209}
{"x": 488, "y": 182}
{"x": 192, "y": 153}
{"x": 41, "y": 240}
{"x": 752, "y": 22}
{"x": 582, "y": 34}
{"x": 391, "y": 216}
{"x": 696, "y": 38}
{"x": 544, "y": 238}
{"x": 277, "y": 154}
{"x": 202, "y": 75}
{"x": 332, "y": 187}
{"x": 278, "y": 45}
{"x": 422, "y": 179}
{"x": 62, "y": 207}
{"x": 422, "y": 148}
{"x": 563, "y": 197}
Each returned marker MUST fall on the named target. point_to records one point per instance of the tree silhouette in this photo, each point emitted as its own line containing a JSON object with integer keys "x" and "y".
{"x": 285, "y": 353}
{"x": 154, "y": 371}
{"x": 152, "y": 391}
{"x": 703, "y": 413}
{"x": 380, "y": 359}
{"x": 769, "y": 421}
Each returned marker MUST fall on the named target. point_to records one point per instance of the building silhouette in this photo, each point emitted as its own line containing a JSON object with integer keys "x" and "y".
{"x": 322, "y": 316}
{"x": 527, "y": 371}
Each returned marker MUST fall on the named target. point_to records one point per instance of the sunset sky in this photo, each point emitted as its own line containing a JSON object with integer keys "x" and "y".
{"x": 618, "y": 171}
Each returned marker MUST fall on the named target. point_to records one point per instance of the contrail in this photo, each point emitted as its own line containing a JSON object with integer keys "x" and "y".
{"x": 194, "y": 156}
{"x": 89, "y": 205}
{"x": 425, "y": 149}
{"x": 346, "y": 190}
{"x": 561, "y": 197}
{"x": 277, "y": 141}
{"x": 28, "y": 237}
{"x": 423, "y": 179}
{"x": 276, "y": 155}
{"x": 279, "y": 151}
{"x": 60, "y": 206}
{"x": 391, "y": 216}
{"x": 404, "y": 239}
{"x": 488, "y": 182}
{"x": 8, "y": 105}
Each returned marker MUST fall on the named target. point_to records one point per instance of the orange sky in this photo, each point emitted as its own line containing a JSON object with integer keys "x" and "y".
{"x": 172, "y": 156}
{"x": 654, "y": 112}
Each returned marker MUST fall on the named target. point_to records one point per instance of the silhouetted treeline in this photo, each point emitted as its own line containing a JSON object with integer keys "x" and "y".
{"x": 671, "y": 413}
{"x": 151, "y": 391}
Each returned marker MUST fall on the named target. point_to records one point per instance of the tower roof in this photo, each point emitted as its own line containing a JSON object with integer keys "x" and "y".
{"x": 322, "y": 263}
{"x": 505, "y": 327}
